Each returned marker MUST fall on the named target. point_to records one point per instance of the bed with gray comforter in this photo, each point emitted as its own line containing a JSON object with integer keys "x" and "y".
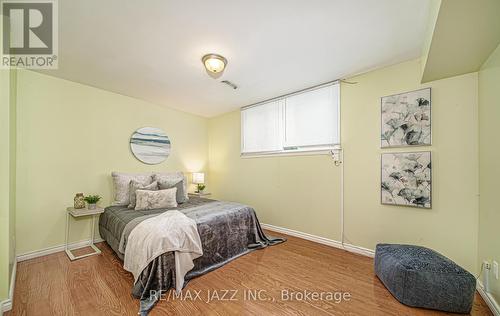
{"x": 227, "y": 230}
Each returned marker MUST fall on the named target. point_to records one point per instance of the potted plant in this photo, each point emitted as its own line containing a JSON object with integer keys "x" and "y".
{"x": 92, "y": 201}
{"x": 200, "y": 188}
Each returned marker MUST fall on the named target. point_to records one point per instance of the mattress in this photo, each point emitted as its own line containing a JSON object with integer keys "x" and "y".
{"x": 227, "y": 231}
{"x": 115, "y": 218}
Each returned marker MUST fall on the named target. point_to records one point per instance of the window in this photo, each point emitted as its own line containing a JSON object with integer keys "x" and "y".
{"x": 262, "y": 127}
{"x": 303, "y": 121}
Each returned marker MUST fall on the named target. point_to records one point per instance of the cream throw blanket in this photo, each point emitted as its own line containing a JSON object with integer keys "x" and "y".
{"x": 169, "y": 231}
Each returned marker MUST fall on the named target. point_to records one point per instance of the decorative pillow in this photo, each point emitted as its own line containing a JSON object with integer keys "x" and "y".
{"x": 121, "y": 183}
{"x": 180, "y": 196}
{"x": 134, "y": 186}
{"x": 170, "y": 179}
{"x": 149, "y": 200}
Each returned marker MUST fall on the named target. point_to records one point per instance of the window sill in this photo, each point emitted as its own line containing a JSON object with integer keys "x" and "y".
{"x": 291, "y": 153}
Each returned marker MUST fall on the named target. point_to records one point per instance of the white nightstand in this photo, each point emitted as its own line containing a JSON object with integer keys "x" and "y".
{"x": 203, "y": 195}
{"x": 71, "y": 211}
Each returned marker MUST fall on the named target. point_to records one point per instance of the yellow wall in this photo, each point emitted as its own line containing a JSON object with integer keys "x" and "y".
{"x": 13, "y": 165}
{"x": 4, "y": 183}
{"x": 455, "y": 45}
{"x": 71, "y": 137}
{"x": 302, "y": 193}
{"x": 434, "y": 6}
{"x": 450, "y": 227}
{"x": 8, "y": 177}
{"x": 489, "y": 118}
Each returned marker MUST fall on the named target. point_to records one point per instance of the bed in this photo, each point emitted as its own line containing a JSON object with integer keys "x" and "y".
{"x": 227, "y": 231}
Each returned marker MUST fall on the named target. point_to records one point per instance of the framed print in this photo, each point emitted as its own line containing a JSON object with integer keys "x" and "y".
{"x": 406, "y": 179}
{"x": 406, "y": 119}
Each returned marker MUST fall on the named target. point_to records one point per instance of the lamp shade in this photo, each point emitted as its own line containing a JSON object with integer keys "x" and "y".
{"x": 198, "y": 177}
{"x": 214, "y": 63}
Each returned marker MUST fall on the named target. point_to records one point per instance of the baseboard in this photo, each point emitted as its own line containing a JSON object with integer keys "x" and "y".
{"x": 6, "y": 305}
{"x": 359, "y": 250}
{"x": 321, "y": 240}
{"x": 489, "y": 299}
{"x": 54, "y": 249}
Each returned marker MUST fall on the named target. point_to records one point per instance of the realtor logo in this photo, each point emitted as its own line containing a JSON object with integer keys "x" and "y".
{"x": 29, "y": 34}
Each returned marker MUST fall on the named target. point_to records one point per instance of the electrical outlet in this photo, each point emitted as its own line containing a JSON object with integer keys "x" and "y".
{"x": 486, "y": 265}
{"x": 495, "y": 269}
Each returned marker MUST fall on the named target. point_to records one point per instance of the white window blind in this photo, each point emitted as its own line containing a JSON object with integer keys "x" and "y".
{"x": 303, "y": 121}
{"x": 262, "y": 128}
{"x": 311, "y": 118}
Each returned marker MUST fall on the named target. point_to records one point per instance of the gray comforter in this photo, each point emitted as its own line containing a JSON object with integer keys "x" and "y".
{"x": 227, "y": 230}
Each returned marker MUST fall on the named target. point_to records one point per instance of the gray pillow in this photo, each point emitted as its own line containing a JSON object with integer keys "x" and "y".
{"x": 180, "y": 195}
{"x": 170, "y": 179}
{"x": 136, "y": 185}
{"x": 121, "y": 181}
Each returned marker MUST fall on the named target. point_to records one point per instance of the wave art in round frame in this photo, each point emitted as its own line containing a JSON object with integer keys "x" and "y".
{"x": 150, "y": 145}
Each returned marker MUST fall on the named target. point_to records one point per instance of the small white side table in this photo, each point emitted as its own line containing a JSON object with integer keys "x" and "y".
{"x": 71, "y": 211}
{"x": 200, "y": 194}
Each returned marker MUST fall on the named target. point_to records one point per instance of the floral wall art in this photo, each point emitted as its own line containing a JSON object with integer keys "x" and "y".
{"x": 406, "y": 119}
{"x": 407, "y": 179}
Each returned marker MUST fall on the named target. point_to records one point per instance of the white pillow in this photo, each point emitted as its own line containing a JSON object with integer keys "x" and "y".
{"x": 121, "y": 183}
{"x": 134, "y": 186}
{"x": 149, "y": 200}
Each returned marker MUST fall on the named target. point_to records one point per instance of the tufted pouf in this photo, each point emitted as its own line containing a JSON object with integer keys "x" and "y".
{"x": 421, "y": 277}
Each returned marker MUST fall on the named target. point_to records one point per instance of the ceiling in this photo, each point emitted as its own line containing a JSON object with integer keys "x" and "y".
{"x": 152, "y": 50}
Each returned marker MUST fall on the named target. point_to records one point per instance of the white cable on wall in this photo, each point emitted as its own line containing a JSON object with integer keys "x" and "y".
{"x": 338, "y": 160}
{"x": 342, "y": 197}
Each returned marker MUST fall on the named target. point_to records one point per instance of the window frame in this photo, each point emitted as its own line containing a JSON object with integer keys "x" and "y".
{"x": 299, "y": 151}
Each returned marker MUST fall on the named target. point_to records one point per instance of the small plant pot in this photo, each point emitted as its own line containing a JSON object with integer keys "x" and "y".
{"x": 91, "y": 206}
{"x": 201, "y": 191}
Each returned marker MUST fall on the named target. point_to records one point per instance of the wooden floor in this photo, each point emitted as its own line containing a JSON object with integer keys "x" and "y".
{"x": 52, "y": 285}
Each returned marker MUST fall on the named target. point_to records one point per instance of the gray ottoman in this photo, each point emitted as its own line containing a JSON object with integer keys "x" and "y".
{"x": 420, "y": 277}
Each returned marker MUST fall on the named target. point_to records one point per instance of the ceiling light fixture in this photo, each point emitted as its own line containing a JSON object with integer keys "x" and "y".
{"x": 214, "y": 63}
